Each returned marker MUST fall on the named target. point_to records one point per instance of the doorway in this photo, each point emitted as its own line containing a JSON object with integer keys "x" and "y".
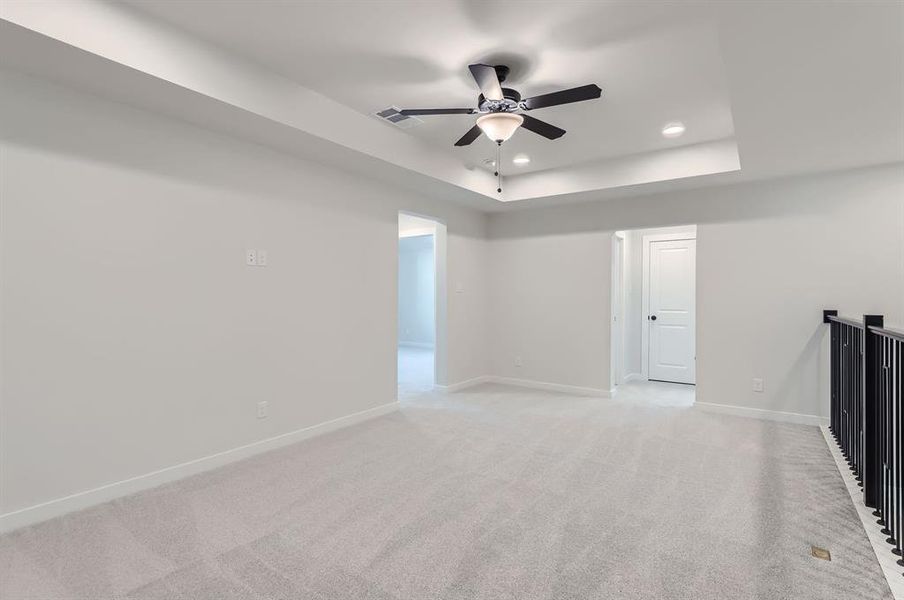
{"x": 420, "y": 295}
{"x": 670, "y": 307}
{"x": 654, "y": 306}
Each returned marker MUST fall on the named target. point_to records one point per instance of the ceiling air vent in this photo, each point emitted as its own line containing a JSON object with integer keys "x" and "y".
{"x": 393, "y": 116}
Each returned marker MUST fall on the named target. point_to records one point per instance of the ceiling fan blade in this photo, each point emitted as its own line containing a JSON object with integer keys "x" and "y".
{"x": 543, "y": 128}
{"x": 578, "y": 94}
{"x": 473, "y": 134}
{"x": 487, "y": 81}
{"x": 410, "y": 112}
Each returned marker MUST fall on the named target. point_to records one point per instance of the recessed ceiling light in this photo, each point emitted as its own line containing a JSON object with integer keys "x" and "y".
{"x": 673, "y": 130}
{"x": 521, "y": 159}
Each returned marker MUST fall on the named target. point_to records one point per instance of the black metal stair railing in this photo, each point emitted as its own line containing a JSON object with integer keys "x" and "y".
{"x": 867, "y": 394}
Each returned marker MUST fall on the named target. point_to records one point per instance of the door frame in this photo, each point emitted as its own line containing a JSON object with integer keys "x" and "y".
{"x": 617, "y": 317}
{"x": 440, "y": 300}
{"x": 645, "y": 294}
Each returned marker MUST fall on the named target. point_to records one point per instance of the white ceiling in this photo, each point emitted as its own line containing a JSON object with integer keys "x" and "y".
{"x": 656, "y": 63}
{"x": 765, "y": 88}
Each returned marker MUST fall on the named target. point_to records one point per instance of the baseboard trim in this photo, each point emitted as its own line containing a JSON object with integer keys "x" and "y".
{"x": 461, "y": 385}
{"x": 574, "y": 390}
{"x": 634, "y": 377}
{"x": 527, "y": 383}
{"x": 759, "y": 413}
{"x": 78, "y": 501}
{"x": 423, "y": 345}
{"x": 881, "y": 548}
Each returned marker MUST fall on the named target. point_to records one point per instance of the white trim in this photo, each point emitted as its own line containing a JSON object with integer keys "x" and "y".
{"x": 527, "y": 383}
{"x": 876, "y": 539}
{"x": 635, "y": 377}
{"x": 60, "y": 506}
{"x": 440, "y": 304}
{"x": 759, "y": 413}
{"x": 617, "y": 310}
{"x": 416, "y": 232}
{"x": 551, "y": 387}
{"x": 424, "y": 345}
{"x": 461, "y": 385}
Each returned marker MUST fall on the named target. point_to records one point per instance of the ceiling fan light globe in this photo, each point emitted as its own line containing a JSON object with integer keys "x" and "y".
{"x": 499, "y": 126}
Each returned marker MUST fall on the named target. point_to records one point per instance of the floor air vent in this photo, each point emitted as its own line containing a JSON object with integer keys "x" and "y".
{"x": 392, "y": 115}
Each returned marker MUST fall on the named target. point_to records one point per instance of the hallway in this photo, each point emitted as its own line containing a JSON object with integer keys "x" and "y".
{"x": 415, "y": 368}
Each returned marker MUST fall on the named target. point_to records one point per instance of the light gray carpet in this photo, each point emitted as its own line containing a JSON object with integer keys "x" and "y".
{"x": 493, "y": 493}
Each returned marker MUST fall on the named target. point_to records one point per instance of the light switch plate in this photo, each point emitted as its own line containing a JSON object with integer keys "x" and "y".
{"x": 261, "y": 258}
{"x": 757, "y": 384}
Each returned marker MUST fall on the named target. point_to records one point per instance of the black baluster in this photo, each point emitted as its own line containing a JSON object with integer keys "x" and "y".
{"x": 846, "y": 373}
{"x": 833, "y": 371}
{"x": 881, "y": 441}
{"x": 887, "y": 433}
{"x": 896, "y": 363}
{"x": 872, "y": 478}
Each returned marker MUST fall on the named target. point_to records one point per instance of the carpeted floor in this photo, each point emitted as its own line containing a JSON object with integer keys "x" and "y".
{"x": 492, "y": 493}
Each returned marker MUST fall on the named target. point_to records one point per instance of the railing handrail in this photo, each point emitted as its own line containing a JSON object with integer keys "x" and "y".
{"x": 853, "y": 322}
{"x": 890, "y": 332}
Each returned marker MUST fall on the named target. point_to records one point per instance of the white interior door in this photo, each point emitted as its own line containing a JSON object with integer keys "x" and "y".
{"x": 671, "y": 314}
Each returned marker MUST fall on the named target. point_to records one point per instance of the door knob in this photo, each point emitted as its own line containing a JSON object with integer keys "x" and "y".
{"x": 653, "y": 317}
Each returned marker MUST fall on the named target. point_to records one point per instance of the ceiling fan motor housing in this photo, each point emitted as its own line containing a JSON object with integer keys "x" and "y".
{"x": 511, "y": 101}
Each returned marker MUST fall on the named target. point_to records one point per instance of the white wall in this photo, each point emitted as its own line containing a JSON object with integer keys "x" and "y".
{"x": 135, "y": 338}
{"x": 770, "y": 257}
{"x": 417, "y": 284}
{"x": 550, "y": 305}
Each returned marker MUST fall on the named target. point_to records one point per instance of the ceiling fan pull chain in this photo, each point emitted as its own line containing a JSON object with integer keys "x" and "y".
{"x": 499, "y": 167}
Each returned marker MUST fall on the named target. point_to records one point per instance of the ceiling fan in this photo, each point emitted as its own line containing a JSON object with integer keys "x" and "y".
{"x": 499, "y": 109}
